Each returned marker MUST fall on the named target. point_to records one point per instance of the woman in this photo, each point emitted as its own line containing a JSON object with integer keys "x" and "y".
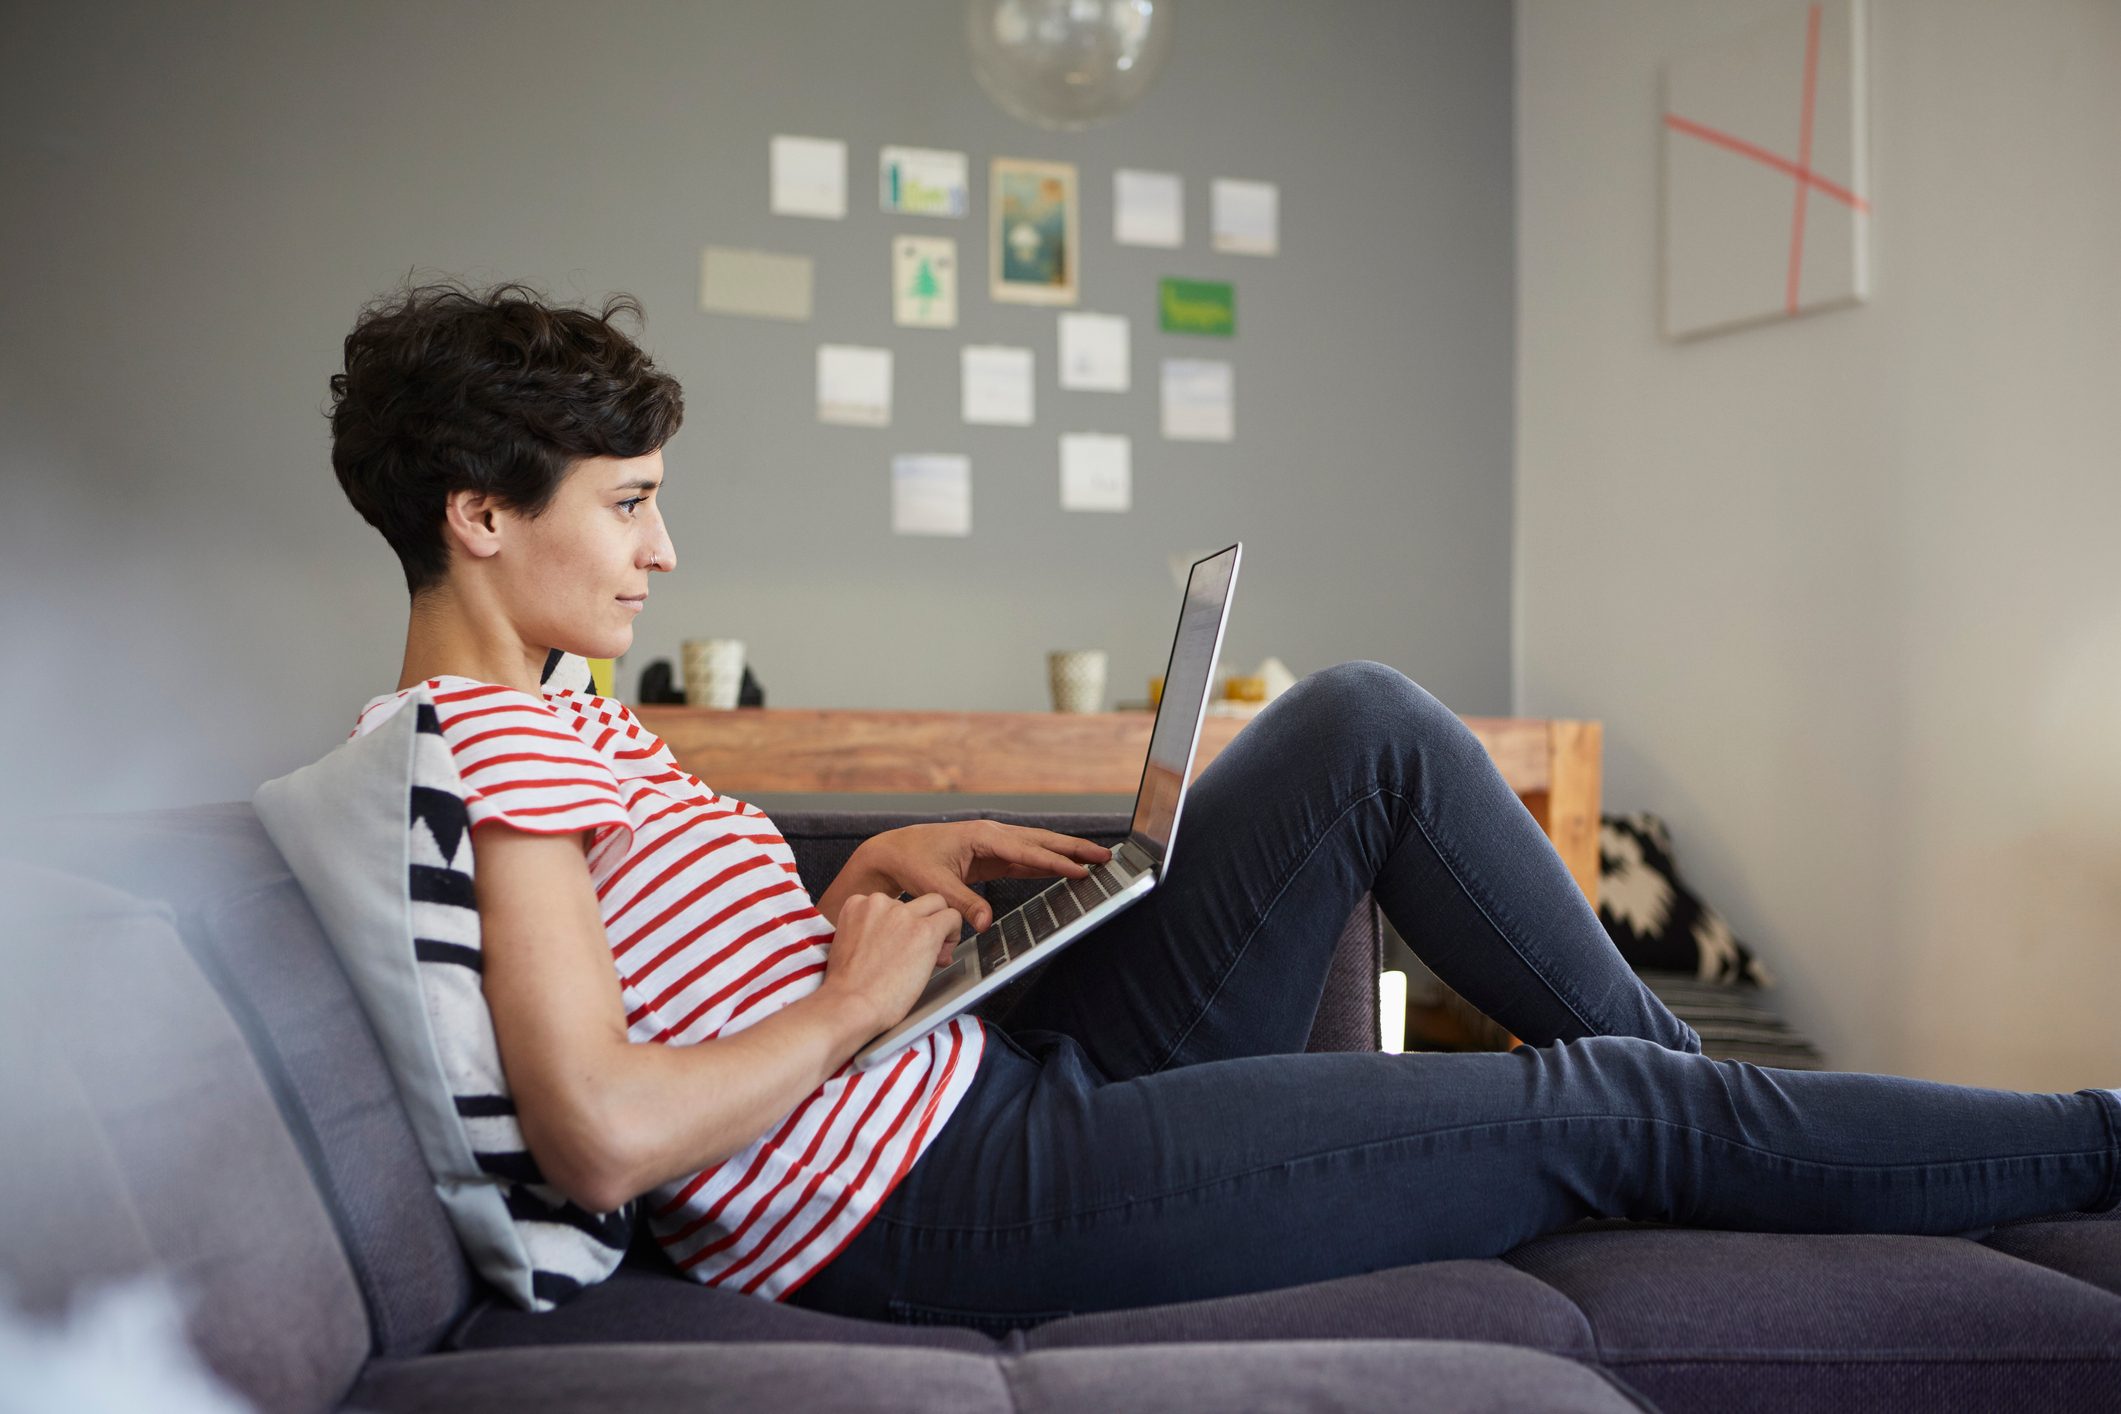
{"x": 676, "y": 1018}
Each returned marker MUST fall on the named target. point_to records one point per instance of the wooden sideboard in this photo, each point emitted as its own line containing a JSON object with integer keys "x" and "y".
{"x": 1553, "y": 765}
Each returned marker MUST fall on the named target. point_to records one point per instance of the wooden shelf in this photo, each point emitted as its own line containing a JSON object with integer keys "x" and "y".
{"x": 1552, "y": 764}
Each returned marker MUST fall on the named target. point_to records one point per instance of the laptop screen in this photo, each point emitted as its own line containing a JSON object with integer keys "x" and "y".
{"x": 1185, "y": 697}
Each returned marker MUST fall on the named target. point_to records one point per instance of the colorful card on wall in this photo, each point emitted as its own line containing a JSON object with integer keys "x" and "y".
{"x": 1197, "y": 306}
{"x": 924, "y": 281}
{"x": 1766, "y": 206}
{"x": 923, "y": 181}
{"x": 1032, "y": 240}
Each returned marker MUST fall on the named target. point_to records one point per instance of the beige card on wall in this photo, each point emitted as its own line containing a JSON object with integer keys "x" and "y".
{"x": 924, "y": 281}
{"x": 761, "y": 284}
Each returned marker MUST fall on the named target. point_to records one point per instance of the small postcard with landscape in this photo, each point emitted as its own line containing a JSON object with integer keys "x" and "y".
{"x": 1033, "y": 242}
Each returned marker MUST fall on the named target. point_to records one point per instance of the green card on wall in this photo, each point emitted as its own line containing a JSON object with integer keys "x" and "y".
{"x": 1198, "y": 307}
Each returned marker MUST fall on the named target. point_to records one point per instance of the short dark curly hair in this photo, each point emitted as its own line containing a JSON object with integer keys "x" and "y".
{"x": 448, "y": 389}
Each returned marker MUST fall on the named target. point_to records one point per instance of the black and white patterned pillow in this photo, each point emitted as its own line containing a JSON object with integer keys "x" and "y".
{"x": 1656, "y": 921}
{"x": 378, "y": 835}
{"x": 568, "y": 1247}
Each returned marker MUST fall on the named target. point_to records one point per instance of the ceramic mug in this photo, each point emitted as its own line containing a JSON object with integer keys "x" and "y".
{"x": 1077, "y": 679}
{"x": 714, "y": 671}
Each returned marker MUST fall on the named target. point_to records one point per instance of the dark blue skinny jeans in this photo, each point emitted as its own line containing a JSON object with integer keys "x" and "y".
{"x": 1146, "y": 1126}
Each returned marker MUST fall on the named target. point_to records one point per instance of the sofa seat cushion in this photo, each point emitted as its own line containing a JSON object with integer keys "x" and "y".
{"x": 1699, "y": 1319}
{"x": 1452, "y": 1300}
{"x": 1479, "y": 1300}
{"x": 1460, "y": 1376}
{"x": 640, "y": 1306}
{"x": 2086, "y": 1246}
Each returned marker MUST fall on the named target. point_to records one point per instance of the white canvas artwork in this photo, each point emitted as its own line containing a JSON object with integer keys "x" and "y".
{"x": 1766, "y": 212}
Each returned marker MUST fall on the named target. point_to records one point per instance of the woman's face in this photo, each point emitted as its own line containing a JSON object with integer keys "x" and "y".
{"x": 580, "y": 576}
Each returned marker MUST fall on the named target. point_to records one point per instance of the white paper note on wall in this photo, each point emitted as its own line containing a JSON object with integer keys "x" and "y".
{"x": 1247, "y": 217}
{"x": 1093, "y": 352}
{"x": 853, "y": 385}
{"x": 1096, "y": 472}
{"x": 931, "y": 494}
{"x": 1199, "y": 400}
{"x": 1148, "y": 208}
{"x": 809, "y": 177}
{"x": 997, "y": 385}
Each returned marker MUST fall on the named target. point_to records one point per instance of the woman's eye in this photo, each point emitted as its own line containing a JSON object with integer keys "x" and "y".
{"x": 631, "y": 503}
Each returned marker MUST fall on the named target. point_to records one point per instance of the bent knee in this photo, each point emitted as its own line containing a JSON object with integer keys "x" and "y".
{"x": 1362, "y": 697}
{"x": 1361, "y": 685}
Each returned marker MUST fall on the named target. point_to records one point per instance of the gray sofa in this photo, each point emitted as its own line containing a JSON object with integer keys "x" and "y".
{"x": 228, "y": 1121}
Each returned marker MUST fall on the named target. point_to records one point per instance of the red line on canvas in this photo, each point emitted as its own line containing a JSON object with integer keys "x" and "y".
{"x": 1804, "y": 154}
{"x": 1762, "y": 155}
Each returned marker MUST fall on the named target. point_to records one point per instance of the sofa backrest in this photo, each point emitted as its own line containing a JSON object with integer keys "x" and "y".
{"x": 141, "y": 1137}
{"x": 249, "y": 929}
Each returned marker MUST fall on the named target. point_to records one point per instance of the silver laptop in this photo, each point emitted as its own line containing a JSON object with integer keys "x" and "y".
{"x": 1068, "y": 908}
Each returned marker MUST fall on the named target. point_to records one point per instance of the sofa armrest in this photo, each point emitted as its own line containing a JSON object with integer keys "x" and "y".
{"x": 1347, "y": 1018}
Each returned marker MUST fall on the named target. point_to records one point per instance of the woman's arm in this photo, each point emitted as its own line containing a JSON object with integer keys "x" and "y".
{"x": 608, "y": 1119}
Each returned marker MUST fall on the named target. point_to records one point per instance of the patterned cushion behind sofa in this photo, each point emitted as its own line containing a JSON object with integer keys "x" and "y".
{"x": 1656, "y": 921}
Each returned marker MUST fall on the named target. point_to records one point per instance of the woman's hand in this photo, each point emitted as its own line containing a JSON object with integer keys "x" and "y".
{"x": 884, "y": 951}
{"x": 948, "y": 857}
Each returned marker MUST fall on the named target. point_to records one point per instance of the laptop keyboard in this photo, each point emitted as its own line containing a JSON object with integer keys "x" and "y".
{"x": 1047, "y": 912}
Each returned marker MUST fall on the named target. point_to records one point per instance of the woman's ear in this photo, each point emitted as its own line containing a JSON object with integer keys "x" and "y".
{"x": 472, "y": 519}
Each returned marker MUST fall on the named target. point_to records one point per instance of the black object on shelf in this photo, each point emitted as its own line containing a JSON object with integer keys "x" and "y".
{"x": 659, "y": 687}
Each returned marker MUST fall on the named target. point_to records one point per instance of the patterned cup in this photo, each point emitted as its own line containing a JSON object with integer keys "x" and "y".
{"x": 1077, "y": 678}
{"x": 714, "y": 671}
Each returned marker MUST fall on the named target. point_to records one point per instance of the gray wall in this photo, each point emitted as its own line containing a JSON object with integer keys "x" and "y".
{"x": 1845, "y": 589}
{"x": 201, "y": 197}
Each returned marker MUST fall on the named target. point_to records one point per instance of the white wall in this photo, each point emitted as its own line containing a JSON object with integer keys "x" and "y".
{"x": 1846, "y": 590}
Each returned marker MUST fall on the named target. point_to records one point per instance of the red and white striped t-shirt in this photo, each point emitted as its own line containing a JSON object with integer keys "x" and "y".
{"x": 711, "y": 931}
